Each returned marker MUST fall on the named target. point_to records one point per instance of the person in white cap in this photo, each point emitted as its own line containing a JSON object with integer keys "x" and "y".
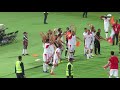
{"x": 106, "y": 23}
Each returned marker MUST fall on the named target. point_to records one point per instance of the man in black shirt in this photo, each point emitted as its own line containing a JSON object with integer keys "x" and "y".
{"x": 97, "y": 42}
{"x": 45, "y": 17}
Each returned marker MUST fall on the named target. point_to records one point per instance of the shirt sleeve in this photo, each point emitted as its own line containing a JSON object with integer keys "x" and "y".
{"x": 69, "y": 70}
{"x": 109, "y": 59}
{"x": 22, "y": 66}
{"x": 117, "y": 59}
{"x": 98, "y": 34}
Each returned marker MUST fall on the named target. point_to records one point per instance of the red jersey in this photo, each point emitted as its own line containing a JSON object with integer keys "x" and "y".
{"x": 116, "y": 28}
{"x": 113, "y": 62}
{"x": 25, "y": 40}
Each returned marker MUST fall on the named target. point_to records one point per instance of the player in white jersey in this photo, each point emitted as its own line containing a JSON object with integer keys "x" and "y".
{"x": 74, "y": 42}
{"x": 84, "y": 34}
{"x": 70, "y": 46}
{"x": 56, "y": 58}
{"x": 52, "y": 50}
{"x": 106, "y": 24}
{"x": 46, "y": 56}
{"x": 92, "y": 45}
{"x": 88, "y": 42}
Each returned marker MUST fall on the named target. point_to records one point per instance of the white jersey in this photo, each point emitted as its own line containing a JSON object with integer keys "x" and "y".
{"x": 70, "y": 40}
{"x": 46, "y": 47}
{"x": 106, "y": 23}
{"x": 84, "y": 34}
{"x": 88, "y": 39}
{"x": 57, "y": 51}
{"x": 93, "y": 36}
{"x": 52, "y": 49}
{"x": 74, "y": 40}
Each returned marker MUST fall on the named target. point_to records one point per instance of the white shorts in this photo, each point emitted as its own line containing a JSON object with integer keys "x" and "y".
{"x": 106, "y": 29}
{"x": 114, "y": 72}
{"x": 71, "y": 48}
{"x": 45, "y": 57}
{"x": 87, "y": 46}
{"x": 92, "y": 46}
{"x": 52, "y": 50}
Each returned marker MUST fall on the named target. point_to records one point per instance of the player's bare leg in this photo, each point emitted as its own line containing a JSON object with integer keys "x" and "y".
{"x": 52, "y": 70}
{"x": 91, "y": 53}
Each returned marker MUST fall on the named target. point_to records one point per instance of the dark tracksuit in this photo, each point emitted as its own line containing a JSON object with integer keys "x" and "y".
{"x": 20, "y": 75}
{"x": 85, "y": 14}
{"x": 45, "y": 17}
{"x": 97, "y": 43}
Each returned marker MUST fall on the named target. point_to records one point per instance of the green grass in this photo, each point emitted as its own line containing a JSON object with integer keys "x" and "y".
{"x": 32, "y": 22}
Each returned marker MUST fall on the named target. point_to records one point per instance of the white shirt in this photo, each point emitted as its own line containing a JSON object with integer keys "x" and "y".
{"x": 46, "y": 47}
{"x": 70, "y": 41}
{"x": 74, "y": 40}
{"x": 51, "y": 48}
{"x": 88, "y": 39}
{"x": 85, "y": 33}
{"x": 93, "y": 36}
{"x": 57, "y": 51}
{"x": 106, "y": 22}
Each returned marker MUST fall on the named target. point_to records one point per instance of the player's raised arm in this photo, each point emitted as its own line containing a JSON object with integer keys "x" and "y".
{"x": 102, "y": 17}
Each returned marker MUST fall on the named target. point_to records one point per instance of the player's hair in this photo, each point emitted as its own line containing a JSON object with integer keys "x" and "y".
{"x": 112, "y": 52}
{"x": 85, "y": 28}
{"x": 116, "y": 20}
{"x": 19, "y": 58}
{"x": 99, "y": 29}
{"x": 47, "y": 40}
{"x": 59, "y": 29}
{"x": 67, "y": 28}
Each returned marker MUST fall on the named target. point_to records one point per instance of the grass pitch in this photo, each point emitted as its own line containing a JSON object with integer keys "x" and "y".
{"x": 32, "y": 22}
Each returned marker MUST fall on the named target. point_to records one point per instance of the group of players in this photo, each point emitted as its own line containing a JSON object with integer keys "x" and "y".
{"x": 53, "y": 44}
{"x": 55, "y": 40}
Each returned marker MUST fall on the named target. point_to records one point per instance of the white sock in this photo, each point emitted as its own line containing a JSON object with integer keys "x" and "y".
{"x": 44, "y": 67}
{"x": 87, "y": 56}
{"x": 69, "y": 56}
{"x": 47, "y": 67}
{"x": 51, "y": 61}
{"x": 116, "y": 77}
{"x": 106, "y": 35}
{"x": 72, "y": 56}
{"x": 23, "y": 52}
{"x": 26, "y": 51}
{"x": 84, "y": 51}
{"x": 91, "y": 54}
